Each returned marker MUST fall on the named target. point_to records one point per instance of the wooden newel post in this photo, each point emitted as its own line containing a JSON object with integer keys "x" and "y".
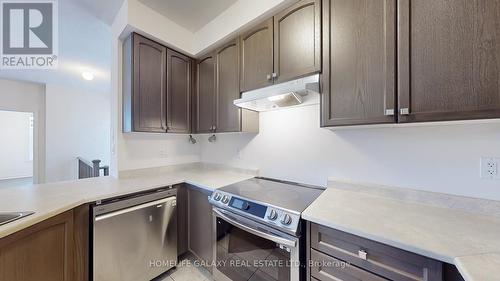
{"x": 97, "y": 164}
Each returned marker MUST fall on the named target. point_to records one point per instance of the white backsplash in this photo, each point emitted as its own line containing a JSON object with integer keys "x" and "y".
{"x": 292, "y": 146}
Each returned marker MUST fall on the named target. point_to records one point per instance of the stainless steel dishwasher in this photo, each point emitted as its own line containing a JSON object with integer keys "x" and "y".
{"x": 134, "y": 238}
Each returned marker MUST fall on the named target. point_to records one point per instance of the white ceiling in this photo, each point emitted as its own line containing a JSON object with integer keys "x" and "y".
{"x": 190, "y": 14}
{"x": 84, "y": 45}
{"x": 104, "y": 10}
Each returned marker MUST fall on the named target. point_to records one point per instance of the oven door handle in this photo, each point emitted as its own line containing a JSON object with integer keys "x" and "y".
{"x": 280, "y": 240}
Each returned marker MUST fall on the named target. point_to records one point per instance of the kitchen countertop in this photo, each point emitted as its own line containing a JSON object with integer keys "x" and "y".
{"x": 468, "y": 240}
{"x": 453, "y": 235}
{"x": 48, "y": 200}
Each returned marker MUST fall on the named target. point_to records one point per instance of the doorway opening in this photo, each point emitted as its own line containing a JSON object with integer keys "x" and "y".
{"x": 16, "y": 148}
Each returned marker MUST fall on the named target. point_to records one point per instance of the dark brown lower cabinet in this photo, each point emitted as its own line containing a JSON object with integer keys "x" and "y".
{"x": 336, "y": 255}
{"x": 81, "y": 222}
{"x": 328, "y": 268}
{"x": 200, "y": 224}
{"x": 42, "y": 252}
{"x": 55, "y": 249}
{"x": 182, "y": 219}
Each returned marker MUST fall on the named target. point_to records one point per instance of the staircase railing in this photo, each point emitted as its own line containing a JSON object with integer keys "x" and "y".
{"x": 92, "y": 169}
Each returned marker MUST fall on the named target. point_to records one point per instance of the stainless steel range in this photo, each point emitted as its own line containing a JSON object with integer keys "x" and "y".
{"x": 258, "y": 232}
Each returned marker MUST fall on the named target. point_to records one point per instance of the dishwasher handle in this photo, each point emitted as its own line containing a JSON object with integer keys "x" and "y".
{"x": 138, "y": 207}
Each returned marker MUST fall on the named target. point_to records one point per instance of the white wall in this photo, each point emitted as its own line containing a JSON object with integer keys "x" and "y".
{"x": 28, "y": 97}
{"x": 139, "y": 150}
{"x": 134, "y": 151}
{"x": 240, "y": 15}
{"x": 78, "y": 125}
{"x": 292, "y": 146}
{"x": 84, "y": 45}
{"x": 15, "y": 145}
{"x": 134, "y": 16}
{"x": 142, "y": 150}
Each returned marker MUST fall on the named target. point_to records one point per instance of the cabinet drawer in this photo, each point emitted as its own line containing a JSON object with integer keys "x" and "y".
{"x": 383, "y": 260}
{"x": 326, "y": 268}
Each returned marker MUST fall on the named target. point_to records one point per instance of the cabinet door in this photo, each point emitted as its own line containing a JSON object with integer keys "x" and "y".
{"x": 149, "y": 85}
{"x": 256, "y": 53}
{"x": 358, "y": 62}
{"x": 385, "y": 261}
{"x": 43, "y": 252}
{"x": 182, "y": 219}
{"x": 178, "y": 92}
{"x": 205, "y": 94}
{"x": 228, "y": 88}
{"x": 297, "y": 39}
{"x": 448, "y": 59}
{"x": 200, "y": 224}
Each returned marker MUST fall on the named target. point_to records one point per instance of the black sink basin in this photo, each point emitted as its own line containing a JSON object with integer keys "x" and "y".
{"x": 6, "y": 217}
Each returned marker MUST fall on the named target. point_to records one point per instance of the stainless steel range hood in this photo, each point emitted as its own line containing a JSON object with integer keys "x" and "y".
{"x": 300, "y": 92}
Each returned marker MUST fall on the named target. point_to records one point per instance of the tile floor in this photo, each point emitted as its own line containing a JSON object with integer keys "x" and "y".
{"x": 187, "y": 271}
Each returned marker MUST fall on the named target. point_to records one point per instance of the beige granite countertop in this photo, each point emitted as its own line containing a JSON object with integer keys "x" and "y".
{"x": 469, "y": 240}
{"x": 485, "y": 267}
{"x": 47, "y": 200}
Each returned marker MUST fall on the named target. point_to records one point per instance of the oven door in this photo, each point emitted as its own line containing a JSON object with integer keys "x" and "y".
{"x": 247, "y": 250}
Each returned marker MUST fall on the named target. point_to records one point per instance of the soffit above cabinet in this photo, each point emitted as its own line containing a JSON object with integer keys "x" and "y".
{"x": 190, "y": 14}
{"x": 192, "y": 26}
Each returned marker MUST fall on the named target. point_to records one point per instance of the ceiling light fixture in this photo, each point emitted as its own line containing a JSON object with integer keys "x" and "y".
{"x": 87, "y": 75}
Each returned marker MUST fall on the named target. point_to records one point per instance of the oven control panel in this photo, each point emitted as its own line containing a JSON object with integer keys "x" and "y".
{"x": 268, "y": 214}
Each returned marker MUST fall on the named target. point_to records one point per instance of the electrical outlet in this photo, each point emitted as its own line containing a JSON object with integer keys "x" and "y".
{"x": 489, "y": 168}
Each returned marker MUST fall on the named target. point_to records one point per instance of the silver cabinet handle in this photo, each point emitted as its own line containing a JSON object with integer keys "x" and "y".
{"x": 362, "y": 254}
{"x": 389, "y": 112}
{"x": 275, "y": 75}
{"x": 404, "y": 111}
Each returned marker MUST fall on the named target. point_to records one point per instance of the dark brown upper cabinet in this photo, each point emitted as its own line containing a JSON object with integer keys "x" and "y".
{"x": 157, "y": 88}
{"x": 297, "y": 41}
{"x": 448, "y": 60}
{"x": 205, "y": 94}
{"x": 256, "y": 47}
{"x": 178, "y": 93}
{"x": 144, "y": 85}
{"x": 228, "y": 115}
{"x": 358, "y": 62}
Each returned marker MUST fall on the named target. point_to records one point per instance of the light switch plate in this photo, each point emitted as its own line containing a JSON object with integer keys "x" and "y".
{"x": 490, "y": 168}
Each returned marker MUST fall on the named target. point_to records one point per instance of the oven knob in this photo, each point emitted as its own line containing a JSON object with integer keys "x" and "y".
{"x": 286, "y": 220}
{"x": 217, "y": 196}
{"x": 272, "y": 215}
{"x": 225, "y": 199}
